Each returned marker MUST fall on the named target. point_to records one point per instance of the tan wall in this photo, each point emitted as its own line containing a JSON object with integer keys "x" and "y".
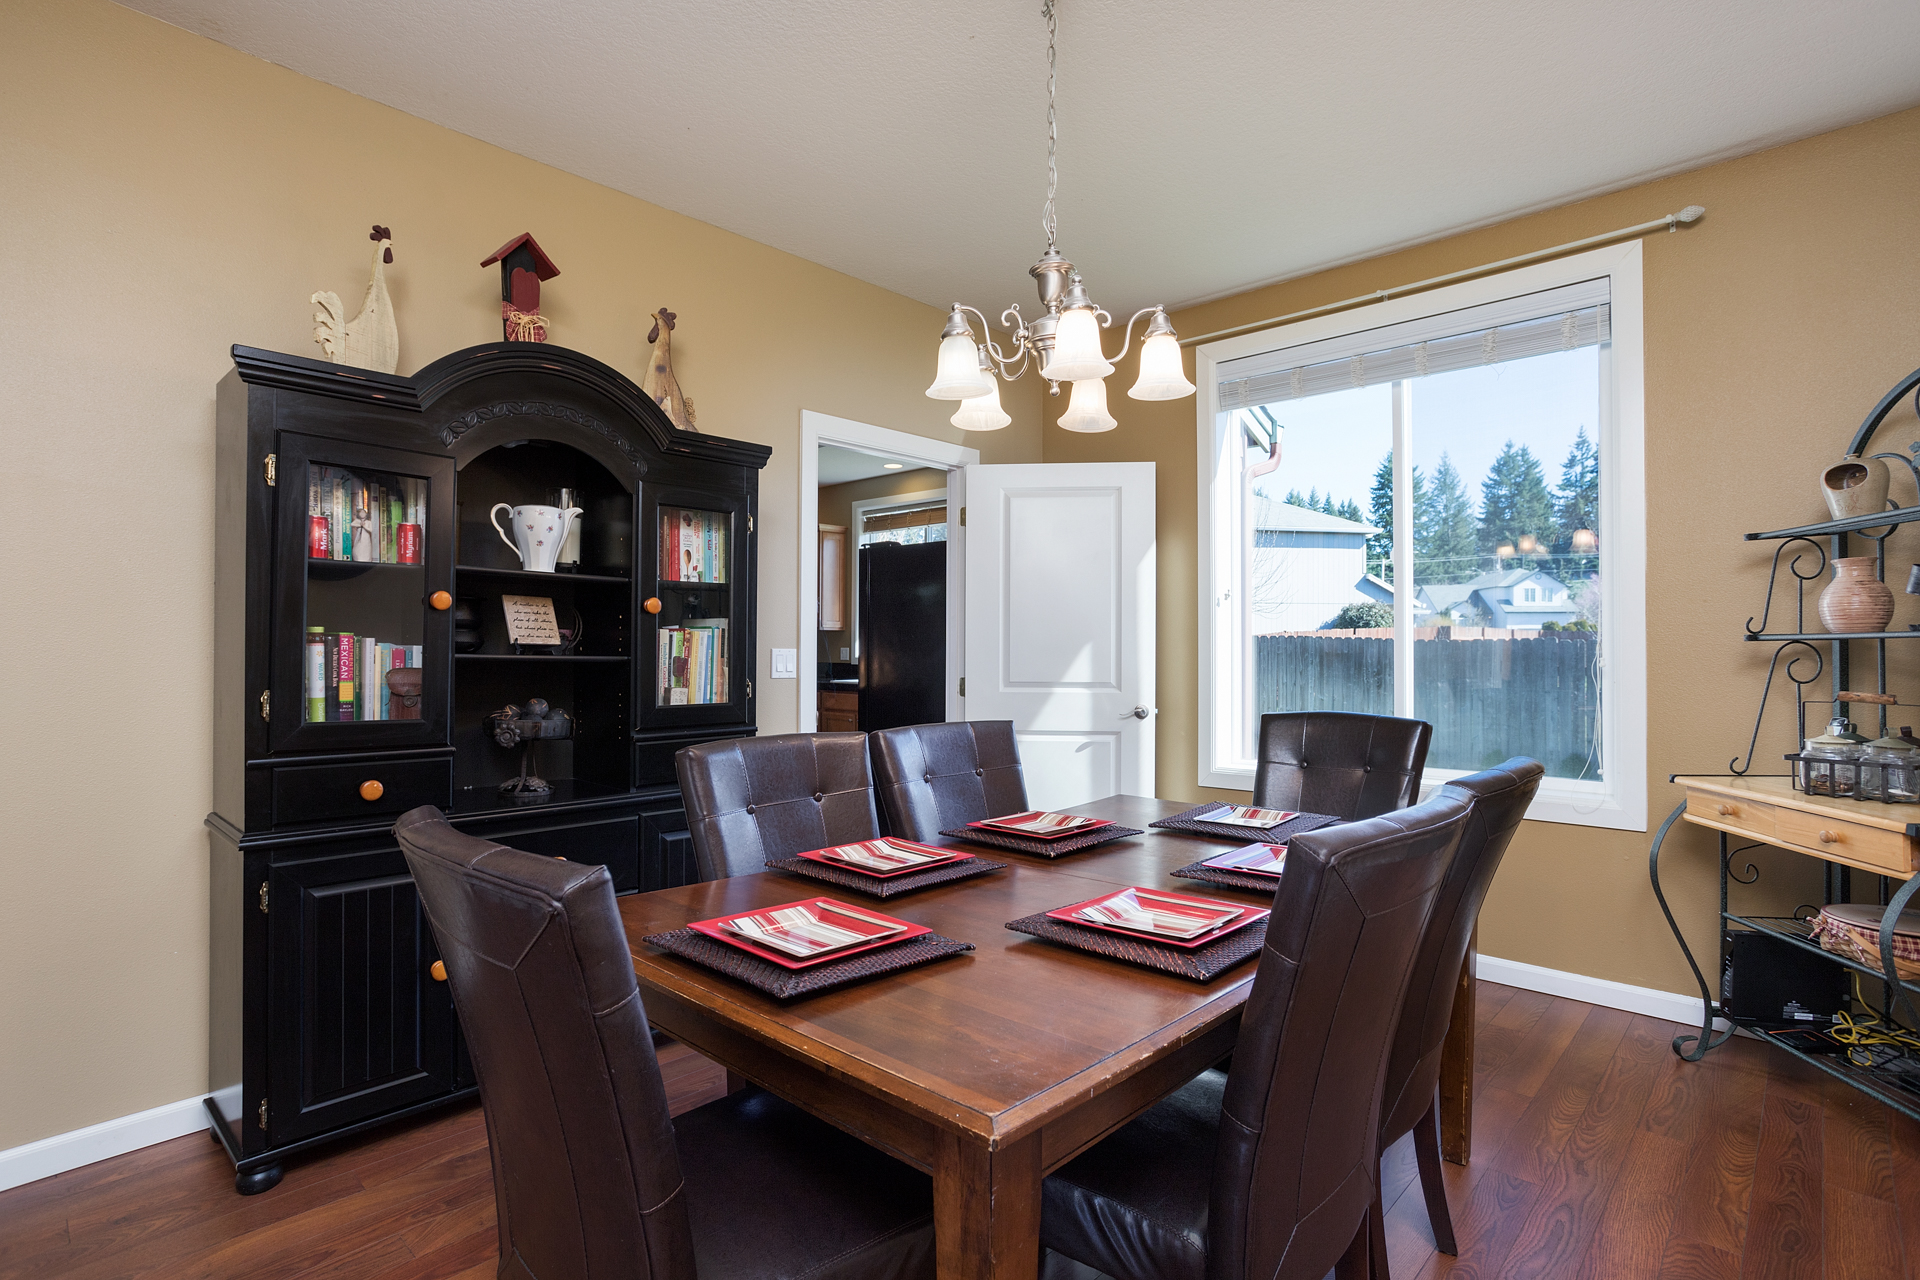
{"x": 836, "y": 507}
{"x": 1772, "y": 327}
{"x": 163, "y": 198}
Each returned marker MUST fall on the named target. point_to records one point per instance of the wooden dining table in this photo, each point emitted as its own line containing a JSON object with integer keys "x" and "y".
{"x": 990, "y": 1069}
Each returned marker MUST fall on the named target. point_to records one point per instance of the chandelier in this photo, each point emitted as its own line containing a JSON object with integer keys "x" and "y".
{"x": 1063, "y": 342}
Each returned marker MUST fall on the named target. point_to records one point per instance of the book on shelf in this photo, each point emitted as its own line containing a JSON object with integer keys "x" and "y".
{"x": 344, "y": 675}
{"x": 693, "y": 545}
{"x": 372, "y": 522}
{"x": 692, "y": 668}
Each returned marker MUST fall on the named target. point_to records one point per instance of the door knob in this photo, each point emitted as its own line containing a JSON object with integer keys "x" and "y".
{"x": 1139, "y": 713}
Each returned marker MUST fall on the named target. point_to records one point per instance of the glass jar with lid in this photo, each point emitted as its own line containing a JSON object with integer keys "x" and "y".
{"x": 1829, "y": 765}
{"x": 1887, "y": 771}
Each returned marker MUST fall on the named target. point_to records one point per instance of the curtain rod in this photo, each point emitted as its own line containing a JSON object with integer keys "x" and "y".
{"x": 1673, "y": 220}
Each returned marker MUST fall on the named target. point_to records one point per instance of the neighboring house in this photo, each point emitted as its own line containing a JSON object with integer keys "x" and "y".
{"x": 1521, "y": 597}
{"x": 1306, "y": 567}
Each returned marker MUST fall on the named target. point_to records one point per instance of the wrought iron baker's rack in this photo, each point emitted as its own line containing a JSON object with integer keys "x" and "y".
{"x": 1805, "y": 664}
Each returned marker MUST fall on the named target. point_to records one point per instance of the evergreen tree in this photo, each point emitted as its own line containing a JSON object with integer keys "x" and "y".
{"x": 1514, "y": 502}
{"x": 1380, "y": 516}
{"x": 1350, "y": 510}
{"x": 1577, "y": 504}
{"x": 1451, "y": 554}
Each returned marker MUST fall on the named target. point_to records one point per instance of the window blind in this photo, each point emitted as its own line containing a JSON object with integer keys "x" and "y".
{"x": 904, "y": 519}
{"x": 1562, "y": 319}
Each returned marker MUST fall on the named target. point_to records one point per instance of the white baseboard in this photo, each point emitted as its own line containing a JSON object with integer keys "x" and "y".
{"x": 1666, "y": 1005}
{"x": 64, "y": 1151}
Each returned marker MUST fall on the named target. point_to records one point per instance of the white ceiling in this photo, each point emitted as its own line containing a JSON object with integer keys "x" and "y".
{"x": 838, "y": 466}
{"x": 1205, "y": 145}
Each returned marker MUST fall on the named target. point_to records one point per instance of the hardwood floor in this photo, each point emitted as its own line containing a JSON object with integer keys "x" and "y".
{"x": 1597, "y": 1154}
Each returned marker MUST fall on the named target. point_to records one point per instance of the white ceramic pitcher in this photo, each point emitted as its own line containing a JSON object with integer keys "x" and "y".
{"x": 538, "y": 533}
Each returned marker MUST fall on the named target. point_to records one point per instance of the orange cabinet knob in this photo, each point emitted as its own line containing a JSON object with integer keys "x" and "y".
{"x": 371, "y": 789}
{"x": 441, "y": 600}
{"x": 651, "y": 604}
{"x": 439, "y": 971}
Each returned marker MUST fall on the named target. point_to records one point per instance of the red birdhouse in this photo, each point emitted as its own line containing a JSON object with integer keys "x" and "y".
{"x": 522, "y": 267}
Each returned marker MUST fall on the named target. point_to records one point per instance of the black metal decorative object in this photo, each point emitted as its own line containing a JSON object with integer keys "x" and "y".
{"x": 529, "y": 725}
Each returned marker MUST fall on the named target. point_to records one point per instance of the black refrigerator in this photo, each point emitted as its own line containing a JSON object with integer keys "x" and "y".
{"x": 903, "y": 634}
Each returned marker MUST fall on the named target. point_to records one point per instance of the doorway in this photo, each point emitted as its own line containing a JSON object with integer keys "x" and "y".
{"x": 881, "y": 579}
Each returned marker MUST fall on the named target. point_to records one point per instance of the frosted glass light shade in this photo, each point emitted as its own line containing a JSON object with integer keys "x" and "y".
{"x": 1076, "y": 354}
{"x": 959, "y": 376}
{"x": 1162, "y": 376}
{"x": 1087, "y": 410}
{"x": 982, "y": 413}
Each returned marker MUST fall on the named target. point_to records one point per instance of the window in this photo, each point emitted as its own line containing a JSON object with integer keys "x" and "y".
{"x": 1434, "y": 507}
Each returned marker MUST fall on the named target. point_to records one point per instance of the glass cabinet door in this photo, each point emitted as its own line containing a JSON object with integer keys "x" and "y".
{"x": 696, "y": 673}
{"x": 363, "y": 568}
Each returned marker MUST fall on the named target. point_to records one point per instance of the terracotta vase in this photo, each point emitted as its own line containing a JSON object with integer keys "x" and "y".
{"x": 1855, "y": 600}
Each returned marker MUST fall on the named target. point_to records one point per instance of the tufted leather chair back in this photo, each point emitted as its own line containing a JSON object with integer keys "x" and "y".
{"x": 1294, "y": 1174}
{"x": 1498, "y": 798}
{"x": 750, "y": 799}
{"x": 934, "y": 777}
{"x": 1352, "y": 766}
{"x": 586, "y": 1179}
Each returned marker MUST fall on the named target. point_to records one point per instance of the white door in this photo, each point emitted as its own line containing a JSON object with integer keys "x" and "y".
{"x": 1060, "y": 596}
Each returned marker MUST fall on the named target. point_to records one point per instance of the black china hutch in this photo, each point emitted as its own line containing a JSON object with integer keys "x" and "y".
{"x": 361, "y": 650}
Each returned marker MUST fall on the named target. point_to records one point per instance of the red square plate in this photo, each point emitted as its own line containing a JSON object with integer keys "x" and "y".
{"x": 1240, "y": 815}
{"x": 868, "y": 929}
{"x": 1156, "y": 907}
{"x": 1037, "y": 824}
{"x": 889, "y": 856}
{"x": 1254, "y": 859}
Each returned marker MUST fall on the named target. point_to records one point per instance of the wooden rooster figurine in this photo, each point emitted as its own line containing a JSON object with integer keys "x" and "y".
{"x": 659, "y": 384}
{"x": 370, "y": 340}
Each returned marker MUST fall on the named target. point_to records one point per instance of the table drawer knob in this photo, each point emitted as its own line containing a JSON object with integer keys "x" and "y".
{"x": 1829, "y": 837}
{"x": 439, "y": 971}
{"x": 372, "y": 789}
{"x": 1727, "y": 811}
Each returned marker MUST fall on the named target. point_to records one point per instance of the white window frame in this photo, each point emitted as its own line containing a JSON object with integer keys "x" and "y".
{"x": 1224, "y": 667}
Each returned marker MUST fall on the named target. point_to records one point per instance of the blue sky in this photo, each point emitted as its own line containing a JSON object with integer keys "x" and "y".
{"x": 1334, "y": 442}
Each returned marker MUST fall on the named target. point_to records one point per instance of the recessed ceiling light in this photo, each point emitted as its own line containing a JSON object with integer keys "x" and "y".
{"x": 892, "y": 466}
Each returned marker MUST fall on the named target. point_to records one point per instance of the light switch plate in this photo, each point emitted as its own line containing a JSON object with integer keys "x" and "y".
{"x": 785, "y": 664}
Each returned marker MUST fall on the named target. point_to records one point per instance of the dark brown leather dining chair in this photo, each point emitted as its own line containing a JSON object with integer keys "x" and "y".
{"x": 934, "y": 777}
{"x": 1270, "y": 1170}
{"x": 1498, "y": 798}
{"x": 750, "y": 799}
{"x": 590, "y": 1175}
{"x": 1338, "y": 762}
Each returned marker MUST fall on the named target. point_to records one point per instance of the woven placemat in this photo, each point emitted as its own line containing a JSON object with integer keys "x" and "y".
{"x": 784, "y": 984}
{"x": 888, "y": 886}
{"x": 1232, "y": 879}
{"x": 1204, "y": 963}
{"x": 1278, "y": 834}
{"x": 1044, "y": 848}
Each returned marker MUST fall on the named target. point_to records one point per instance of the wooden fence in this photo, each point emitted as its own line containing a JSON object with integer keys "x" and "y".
{"x": 1487, "y": 699}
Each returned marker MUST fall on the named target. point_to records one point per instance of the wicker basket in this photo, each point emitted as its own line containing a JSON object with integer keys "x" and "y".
{"x": 1853, "y": 931}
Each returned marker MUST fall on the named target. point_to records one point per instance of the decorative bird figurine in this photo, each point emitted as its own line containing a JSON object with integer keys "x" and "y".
{"x": 659, "y": 384}
{"x": 370, "y": 340}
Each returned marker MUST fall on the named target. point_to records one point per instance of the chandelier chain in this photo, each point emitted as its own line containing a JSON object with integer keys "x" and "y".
{"x": 1047, "y": 221}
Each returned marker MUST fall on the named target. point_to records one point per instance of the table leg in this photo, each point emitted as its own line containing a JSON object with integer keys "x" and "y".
{"x": 1456, "y": 1066}
{"x": 986, "y": 1208}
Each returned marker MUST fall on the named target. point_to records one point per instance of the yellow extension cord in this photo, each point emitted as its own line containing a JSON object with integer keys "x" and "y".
{"x": 1875, "y": 1030}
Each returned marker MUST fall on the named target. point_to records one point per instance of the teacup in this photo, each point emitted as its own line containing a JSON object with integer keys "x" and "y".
{"x": 538, "y": 533}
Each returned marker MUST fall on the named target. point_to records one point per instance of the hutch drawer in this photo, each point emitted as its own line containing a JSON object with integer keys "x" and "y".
{"x": 1737, "y": 817}
{"x": 1854, "y": 843}
{"x": 346, "y": 792}
{"x": 1856, "y": 833}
